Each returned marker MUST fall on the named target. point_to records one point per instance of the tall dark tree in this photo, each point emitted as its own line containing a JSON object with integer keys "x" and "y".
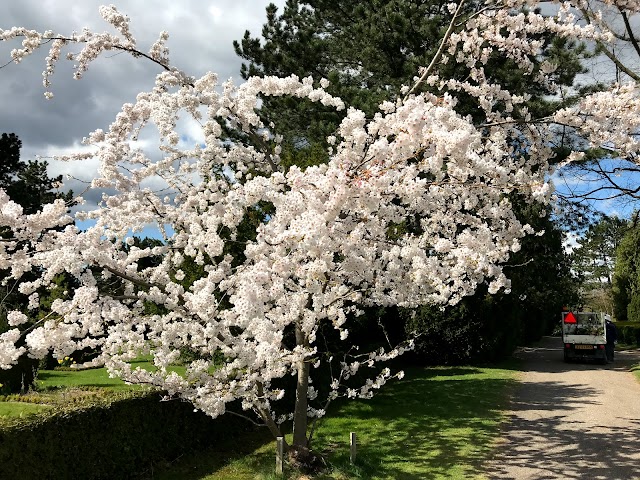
{"x": 594, "y": 261}
{"x": 626, "y": 278}
{"x": 369, "y": 50}
{"x": 10, "y": 164}
{"x": 26, "y": 183}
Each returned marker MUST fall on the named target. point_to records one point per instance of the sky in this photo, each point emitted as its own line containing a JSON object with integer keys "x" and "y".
{"x": 201, "y": 36}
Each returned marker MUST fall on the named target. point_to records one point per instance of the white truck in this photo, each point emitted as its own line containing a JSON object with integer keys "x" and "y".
{"x": 584, "y": 336}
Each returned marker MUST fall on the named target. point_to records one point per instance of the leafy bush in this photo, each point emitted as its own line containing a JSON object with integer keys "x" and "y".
{"x": 20, "y": 377}
{"x": 628, "y": 332}
{"x": 480, "y": 328}
{"x": 122, "y": 436}
{"x": 633, "y": 309}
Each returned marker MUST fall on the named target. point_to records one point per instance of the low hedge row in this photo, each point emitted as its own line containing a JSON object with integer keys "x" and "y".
{"x": 628, "y": 333}
{"x": 121, "y": 437}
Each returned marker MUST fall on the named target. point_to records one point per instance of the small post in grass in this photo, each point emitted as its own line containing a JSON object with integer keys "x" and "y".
{"x": 279, "y": 455}
{"x": 352, "y": 444}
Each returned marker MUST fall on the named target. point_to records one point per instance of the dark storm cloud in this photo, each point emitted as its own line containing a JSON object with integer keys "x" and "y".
{"x": 201, "y": 36}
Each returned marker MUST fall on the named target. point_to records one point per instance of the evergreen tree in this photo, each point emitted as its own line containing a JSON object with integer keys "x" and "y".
{"x": 10, "y": 164}
{"x": 626, "y": 278}
{"x": 26, "y": 183}
{"x": 594, "y": 261}
{"x": 369, "y": 50}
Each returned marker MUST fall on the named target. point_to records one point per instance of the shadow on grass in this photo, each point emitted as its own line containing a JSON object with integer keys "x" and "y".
{"x": 197, "y": 465}
{"x": 57, "y": 380}
{"x": 434, "y": 423}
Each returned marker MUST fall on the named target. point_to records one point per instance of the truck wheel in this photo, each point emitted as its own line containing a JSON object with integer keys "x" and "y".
{"x": 567, "y": 358}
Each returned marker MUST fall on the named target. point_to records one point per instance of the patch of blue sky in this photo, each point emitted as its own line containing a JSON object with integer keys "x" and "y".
{"x": 591, "y": 186}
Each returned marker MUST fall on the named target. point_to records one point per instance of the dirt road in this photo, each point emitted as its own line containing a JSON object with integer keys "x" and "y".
{"x": 571, "y": 420}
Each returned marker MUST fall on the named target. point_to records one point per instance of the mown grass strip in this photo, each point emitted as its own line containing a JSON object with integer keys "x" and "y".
{"x": 436, "y": 423}
{"x": 92, "y": 377}
{"x": 20, "y": 409}
{"x": 65, "y": 386}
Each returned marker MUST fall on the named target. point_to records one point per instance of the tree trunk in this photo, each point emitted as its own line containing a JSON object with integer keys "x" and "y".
{"x": 300, "y": 412}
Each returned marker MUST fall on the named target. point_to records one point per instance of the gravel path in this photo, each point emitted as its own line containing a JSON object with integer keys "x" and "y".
{"x": 571, "y": 420}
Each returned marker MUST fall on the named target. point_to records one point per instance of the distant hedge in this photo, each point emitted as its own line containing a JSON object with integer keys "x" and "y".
{"x": 117, "y": 438}
{"x": 628, "y": 332}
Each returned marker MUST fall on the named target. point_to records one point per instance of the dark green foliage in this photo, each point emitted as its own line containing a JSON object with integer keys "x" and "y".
{"x": 542, "y": 281}
{"x": 626, "y": 278}
{"x": 620, "y": 296}
{"x": 369, "y": 50}
{"x": 633, "y": 309}
{"x": 628, "y": 333}
{"x": 487, "y": 327}
{"x": 26, "y": 183}
{"x": 10, "y": 165}
{"x": 480, "y": 328}
{"x": 122, "y": 437}
{"x": 302, "y": 156}
{"x": 21, "y": 377}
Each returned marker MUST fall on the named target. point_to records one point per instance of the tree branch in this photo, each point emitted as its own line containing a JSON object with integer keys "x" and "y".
{"x": 438, "y": 55}
{"x": 627, "y": 26}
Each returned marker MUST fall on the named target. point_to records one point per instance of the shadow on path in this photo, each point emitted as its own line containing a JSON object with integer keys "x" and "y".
{"x": 571, "y": 420}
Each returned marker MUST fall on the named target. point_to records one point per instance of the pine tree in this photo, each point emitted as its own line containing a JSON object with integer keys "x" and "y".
{"x": 369, "y": 50}
{"x": 26, "y": 183}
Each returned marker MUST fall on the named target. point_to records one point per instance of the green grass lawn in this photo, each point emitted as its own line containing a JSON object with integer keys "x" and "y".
{"x": 92, "y": 377}
{"x": 436, "y": 423}
{"x": 57, "y": 387}
{"x": 20, "y": 409}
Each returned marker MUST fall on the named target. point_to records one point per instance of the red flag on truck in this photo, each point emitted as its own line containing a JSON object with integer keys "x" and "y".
{"x": 570, "y": 318}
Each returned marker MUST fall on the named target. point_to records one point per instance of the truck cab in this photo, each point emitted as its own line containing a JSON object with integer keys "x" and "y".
{"x": 584, "y": 336}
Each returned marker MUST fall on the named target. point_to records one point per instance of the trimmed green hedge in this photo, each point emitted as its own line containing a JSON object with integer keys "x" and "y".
{"x": 628, "y": 332}
{"x": 121, "y": 437}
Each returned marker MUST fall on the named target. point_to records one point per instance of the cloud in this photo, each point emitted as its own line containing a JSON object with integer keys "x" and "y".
{"x": 201, "y": 37}
{"x": 571, "y": 242}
